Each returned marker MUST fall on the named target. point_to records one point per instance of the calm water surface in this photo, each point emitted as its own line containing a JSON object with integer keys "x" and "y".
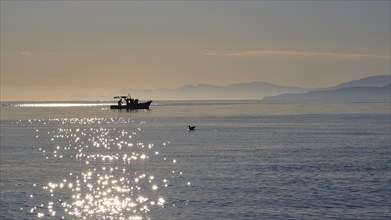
{"x": 246, "y": 160}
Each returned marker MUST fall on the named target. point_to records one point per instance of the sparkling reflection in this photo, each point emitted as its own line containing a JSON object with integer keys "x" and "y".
{"x": 114, "y": 178}
{"x": 60, "y": 105}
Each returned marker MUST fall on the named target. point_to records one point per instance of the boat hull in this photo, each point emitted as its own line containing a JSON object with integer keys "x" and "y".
{"x": 131, "y": 106}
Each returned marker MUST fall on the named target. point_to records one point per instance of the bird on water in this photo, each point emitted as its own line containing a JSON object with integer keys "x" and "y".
{"x": 191, "y": 128}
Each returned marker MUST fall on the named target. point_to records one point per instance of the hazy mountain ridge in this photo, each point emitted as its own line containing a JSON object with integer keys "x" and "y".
{"x": 376, "y": 94}
{"x": 376, "y": 88}
{"x": 252, "y": 90}
{"x": 374, "y": 81}
{"x": 364, "y": 89}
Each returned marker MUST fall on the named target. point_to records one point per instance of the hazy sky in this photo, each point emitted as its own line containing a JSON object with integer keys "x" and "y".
{"x": 52, "y": 49}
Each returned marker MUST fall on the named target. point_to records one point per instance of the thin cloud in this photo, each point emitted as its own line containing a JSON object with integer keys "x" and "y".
{"x": 26, "y": 53}
{"x": 294, "y": 54}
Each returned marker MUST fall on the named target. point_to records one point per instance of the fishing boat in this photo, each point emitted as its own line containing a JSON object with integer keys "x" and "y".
{"x": 126, "y": 102}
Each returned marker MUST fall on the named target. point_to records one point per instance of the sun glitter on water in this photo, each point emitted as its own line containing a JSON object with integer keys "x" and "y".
{"x": 115, "y": 177}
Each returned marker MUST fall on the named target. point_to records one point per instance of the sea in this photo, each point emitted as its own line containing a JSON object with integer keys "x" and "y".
{"x": 246, "y": 159}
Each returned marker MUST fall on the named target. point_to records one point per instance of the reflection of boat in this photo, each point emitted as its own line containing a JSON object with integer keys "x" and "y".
{"x": 130, "y": 103}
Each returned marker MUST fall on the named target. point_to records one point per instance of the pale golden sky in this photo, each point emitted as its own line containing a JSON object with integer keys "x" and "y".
{"x": 51, "y": 50}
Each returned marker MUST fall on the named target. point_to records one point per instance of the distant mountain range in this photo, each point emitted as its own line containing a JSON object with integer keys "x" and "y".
{"x": 376, "y": 88}
{"x": 376, "y": 81}
{"x": 370, "y": 88}
{"x": 254, "y": 90}
{"x": 375, "y": 94}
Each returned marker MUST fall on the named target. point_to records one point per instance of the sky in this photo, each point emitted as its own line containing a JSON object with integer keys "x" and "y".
{"x": 53, "y": 49}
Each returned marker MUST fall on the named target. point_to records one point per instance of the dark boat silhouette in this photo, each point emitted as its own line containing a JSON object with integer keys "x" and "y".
{"x": 130, "y": 103}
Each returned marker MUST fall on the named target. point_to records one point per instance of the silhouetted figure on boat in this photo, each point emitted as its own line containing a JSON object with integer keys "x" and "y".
{"x": 192, "y": 128}
{"x": 130, "y": 103}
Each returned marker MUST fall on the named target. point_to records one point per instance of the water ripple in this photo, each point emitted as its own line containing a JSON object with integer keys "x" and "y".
{"x": 115, "y": 177}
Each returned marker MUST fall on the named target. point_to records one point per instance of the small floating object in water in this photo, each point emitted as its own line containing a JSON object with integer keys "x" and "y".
{"x": 191, "y": 128}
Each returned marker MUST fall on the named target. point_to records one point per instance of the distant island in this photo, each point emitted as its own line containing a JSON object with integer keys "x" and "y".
{"x": 375, "y": 88}
{"x": 354, "y": 94}
{"x": 371, "y": 89}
